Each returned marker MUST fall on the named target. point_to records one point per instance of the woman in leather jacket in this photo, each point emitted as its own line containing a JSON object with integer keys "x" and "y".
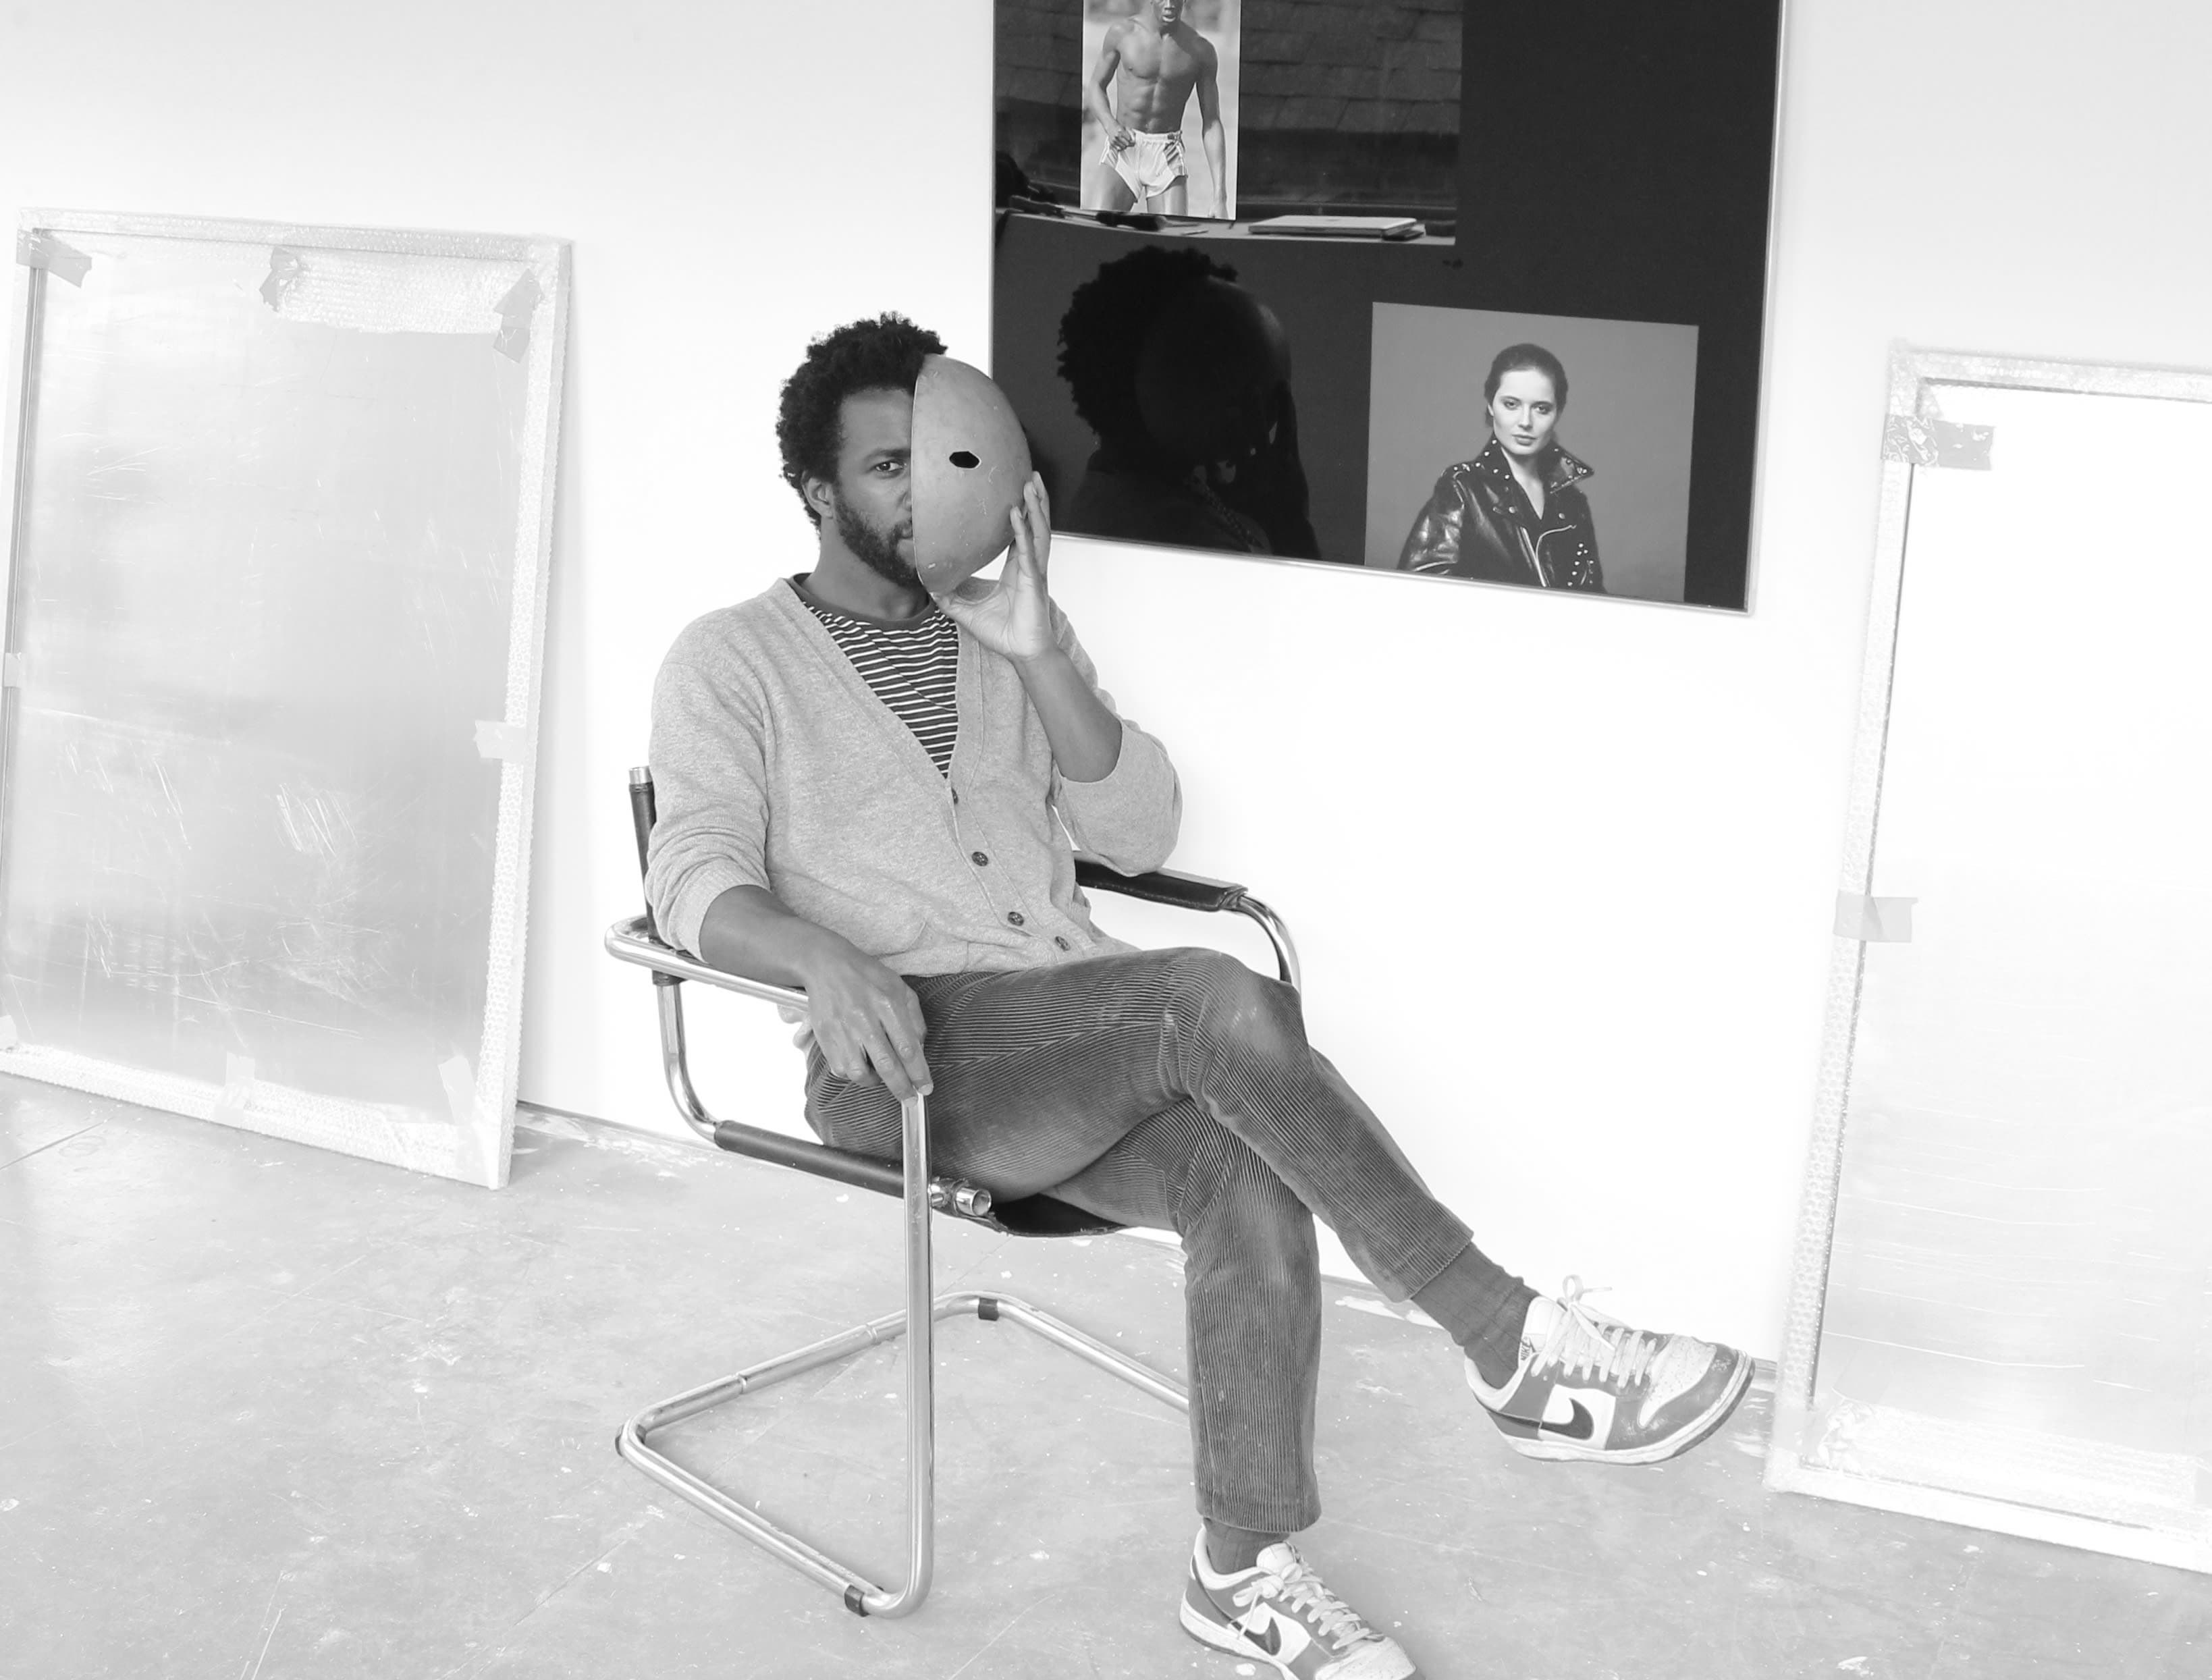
{"x": 1516, "y": 513}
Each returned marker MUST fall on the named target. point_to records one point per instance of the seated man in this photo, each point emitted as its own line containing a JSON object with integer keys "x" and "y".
{"x": 863, "y": 793}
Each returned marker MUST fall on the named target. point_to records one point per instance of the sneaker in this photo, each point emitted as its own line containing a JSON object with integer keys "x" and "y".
{"x": 1588, "y": 1388}
{"x": 1278, "y": 1612}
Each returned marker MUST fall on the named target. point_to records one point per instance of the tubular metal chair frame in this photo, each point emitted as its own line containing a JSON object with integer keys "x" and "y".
{"x": 634, "y": 941}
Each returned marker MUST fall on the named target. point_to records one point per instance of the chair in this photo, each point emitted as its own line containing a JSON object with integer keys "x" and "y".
{"x": 634, "y": 941}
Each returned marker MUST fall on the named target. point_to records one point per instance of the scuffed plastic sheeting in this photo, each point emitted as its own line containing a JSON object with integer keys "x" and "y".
{"x": 264, "y": 591}
{"x": 376, "y": 291}
{"x": 2024, "y": 1466}
{"x": 398, "y": 1135}
{"x": 2021, "y": 1255}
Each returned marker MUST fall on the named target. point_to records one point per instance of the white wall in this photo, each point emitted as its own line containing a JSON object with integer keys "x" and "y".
{"x": 1561, "y": 869}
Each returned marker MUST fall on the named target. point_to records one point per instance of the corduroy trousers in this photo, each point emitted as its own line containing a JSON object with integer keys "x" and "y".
{"x": 1176, "y": 1090}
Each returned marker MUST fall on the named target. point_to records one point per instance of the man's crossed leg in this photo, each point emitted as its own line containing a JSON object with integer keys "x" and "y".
{"x": 1177, "y": 1089}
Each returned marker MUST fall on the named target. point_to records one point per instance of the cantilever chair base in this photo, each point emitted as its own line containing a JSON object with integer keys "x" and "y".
{"x": 909, "y": 1179}
{"x": 860, "y": 1595}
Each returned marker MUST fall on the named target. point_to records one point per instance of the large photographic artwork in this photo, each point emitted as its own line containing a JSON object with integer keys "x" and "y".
{"x": 1255, "y": 261}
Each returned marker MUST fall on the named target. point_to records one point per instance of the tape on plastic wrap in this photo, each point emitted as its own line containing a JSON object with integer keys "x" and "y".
{"x": 9, "y": 1036}
{"x": 377, "y": 291}
{"x": 1928, "y": 442}
{"x": 35, "y": 248}
{"x": 285, "y": 268}
{"x": 459, "y": 1080}
{"x": 11, "y": 671}
{"x": 237, "y": 1088}
{"x": 470, "y": 1151}
{"x": 515, "y": 310}
{"x": 499, "y": 740}
{"x": 1875, "y": 919}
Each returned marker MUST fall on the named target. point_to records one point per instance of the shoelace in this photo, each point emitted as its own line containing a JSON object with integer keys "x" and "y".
{"x": 1583, "y": 1340}
{"x": 1300, "y": 1588}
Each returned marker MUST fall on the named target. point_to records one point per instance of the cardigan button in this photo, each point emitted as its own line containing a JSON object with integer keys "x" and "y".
{"x": 1060, "y": 940}
{"x": 1015, "y": 917}
{"x": 978, "y": 859}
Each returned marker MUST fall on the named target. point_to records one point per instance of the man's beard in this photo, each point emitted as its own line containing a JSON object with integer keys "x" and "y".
{"x": 876, "y": 549}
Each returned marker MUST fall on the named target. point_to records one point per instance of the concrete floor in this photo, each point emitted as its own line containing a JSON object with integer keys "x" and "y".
{"x": 267, "y": 1412}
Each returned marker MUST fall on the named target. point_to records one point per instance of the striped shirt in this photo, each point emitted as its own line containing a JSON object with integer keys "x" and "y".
{"x": 912, "y": 667}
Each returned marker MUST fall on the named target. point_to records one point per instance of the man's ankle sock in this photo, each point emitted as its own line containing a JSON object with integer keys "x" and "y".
{"x": 1231, "y": 1550}
{"x": 1482, "y": 1307}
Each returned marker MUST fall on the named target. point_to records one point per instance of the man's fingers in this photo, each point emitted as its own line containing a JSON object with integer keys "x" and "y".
{"x": 906, "y": 1042}
{"x": 846, "y": 1059}
{"x": 888, "y": 1065}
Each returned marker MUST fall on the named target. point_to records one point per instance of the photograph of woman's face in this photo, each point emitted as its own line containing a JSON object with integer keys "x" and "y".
{"x": 1523, "y": 411}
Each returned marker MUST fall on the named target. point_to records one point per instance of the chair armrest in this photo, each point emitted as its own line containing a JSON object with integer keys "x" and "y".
{"x": 1159, "y": 886}
{"x": 632, "y": 942}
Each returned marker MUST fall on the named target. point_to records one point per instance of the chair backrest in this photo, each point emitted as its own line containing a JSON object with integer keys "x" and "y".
{"x": 640, "y": 820}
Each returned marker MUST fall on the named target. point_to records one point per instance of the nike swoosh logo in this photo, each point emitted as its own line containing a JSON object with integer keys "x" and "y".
{"x": 1580, "y": 1426}
{"x": 1271, "y": 1641}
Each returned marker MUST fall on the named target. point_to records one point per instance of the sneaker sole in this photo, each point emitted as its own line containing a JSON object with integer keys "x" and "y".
{"x": 1658, "y": 1451}
{"x": 1224, "y": 1638}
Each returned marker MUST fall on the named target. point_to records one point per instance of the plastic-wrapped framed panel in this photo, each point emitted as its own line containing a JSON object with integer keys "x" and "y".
{"x": 2001, "y": 1307}
{"x": 280, "y": 505}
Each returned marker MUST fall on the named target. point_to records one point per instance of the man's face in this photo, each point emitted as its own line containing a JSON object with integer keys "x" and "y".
{"x": 874, "y": 492}
{"x": 1168, "y": 11}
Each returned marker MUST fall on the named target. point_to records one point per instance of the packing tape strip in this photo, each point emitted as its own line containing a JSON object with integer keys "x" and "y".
{"x": 1936, "y": 443}
{"x": 237, "y": 1088}
{"x": 285, "y": 268}
{"x": 500, "y": 740}
{"x": 35, "y": 248}
{"x": 10, "y": 1038}
{"x": 515, "y": 311}
{"x": 1886, "y": 920}
{"x": 11, "y": 671}
{"x": 459, "y": 1080}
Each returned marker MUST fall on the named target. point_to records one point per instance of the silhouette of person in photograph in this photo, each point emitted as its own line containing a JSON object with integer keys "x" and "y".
{"x": 1152, "y": 63}
{"x": 1516, "y": 513}
{"x": 1185, "y": 377}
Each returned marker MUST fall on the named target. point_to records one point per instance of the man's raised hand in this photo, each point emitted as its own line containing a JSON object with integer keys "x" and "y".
{"x": 1013, "y": 616}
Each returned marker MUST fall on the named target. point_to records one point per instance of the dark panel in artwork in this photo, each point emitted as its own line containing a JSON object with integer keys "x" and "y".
{"x": 1617, "y": 161}
{"x": 1350, "y": 107}
{"x": 1040, "y": 122}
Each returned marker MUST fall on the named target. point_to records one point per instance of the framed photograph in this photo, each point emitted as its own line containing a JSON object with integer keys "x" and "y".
{"x": 1535, "y": 449}
{"x": 1159, "y": 84}
{"x": 1403, "y": 180}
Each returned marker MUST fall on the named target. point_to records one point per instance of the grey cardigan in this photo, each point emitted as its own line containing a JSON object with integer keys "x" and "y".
{"x": 776, "y": 766}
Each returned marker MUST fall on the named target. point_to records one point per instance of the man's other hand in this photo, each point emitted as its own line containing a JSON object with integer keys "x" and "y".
{"x": 1119, "y": 140}
{"x": 866, "y": 1020}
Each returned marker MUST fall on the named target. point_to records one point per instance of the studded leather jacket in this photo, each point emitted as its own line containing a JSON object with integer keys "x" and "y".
{"x": 1479, "y": 524}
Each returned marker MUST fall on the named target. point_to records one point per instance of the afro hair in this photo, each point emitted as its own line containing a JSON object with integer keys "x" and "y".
{"x": 885, "y": 353}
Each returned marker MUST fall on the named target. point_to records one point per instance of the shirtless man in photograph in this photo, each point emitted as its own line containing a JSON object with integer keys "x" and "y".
{"x": 1152, "y": 61}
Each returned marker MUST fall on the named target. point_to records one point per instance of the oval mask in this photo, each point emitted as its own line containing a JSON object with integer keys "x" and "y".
{"x": 969, "y": 462}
